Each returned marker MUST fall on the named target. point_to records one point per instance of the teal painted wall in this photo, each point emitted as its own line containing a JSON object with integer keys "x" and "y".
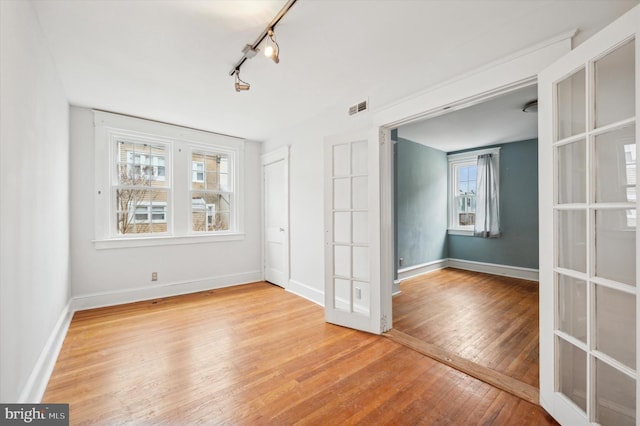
{"x": 421, "y": 208}
{"x": 421, "y": 203}
{"x": 518, "y": 245}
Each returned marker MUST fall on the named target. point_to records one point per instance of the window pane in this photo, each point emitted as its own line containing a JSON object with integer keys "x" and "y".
{"x": 210, "y": 211}
{"x": 341, "y": 160}
{"x": 341, "y": 292}
{"x": 572, "y": 239}
{"x": 571, "y": 166}
{"x": 616, "y": 324}
{"x": 572, "y": 306}
{"x": 616, "y": 165}
{"x": 136, "y": 212}
{"x": 571, "y": 106}
{"x": 359, "y": 158}
{"x": 616, "y": 245}
{"x": 140, "y": 164}
{"x": 572, "y": 373}
{"x": 615, "y": 85}
{"x": 615, "y": 396}
{"x": 463, "y": 174}
{"x": 473, "y": 172}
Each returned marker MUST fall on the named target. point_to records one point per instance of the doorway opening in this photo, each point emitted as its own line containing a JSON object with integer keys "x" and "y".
{"x": 471, "y": 298}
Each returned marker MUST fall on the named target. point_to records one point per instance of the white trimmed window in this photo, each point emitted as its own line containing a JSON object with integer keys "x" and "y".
{"x": 160, "y": 184}
{"x": 463, "y": 189}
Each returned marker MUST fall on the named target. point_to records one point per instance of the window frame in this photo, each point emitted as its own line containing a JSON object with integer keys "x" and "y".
{"x": 457, "y": 161}
{"x": 108, "y": 127}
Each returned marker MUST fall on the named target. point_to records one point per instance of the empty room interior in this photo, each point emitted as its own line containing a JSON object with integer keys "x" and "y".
{"x": 319, "y": 212}
{"x": 490, "y": 315}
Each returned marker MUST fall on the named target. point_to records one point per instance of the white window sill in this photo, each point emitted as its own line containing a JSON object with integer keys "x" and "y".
{"x": 115, "y": 243}
{"x": 466, "y": 232}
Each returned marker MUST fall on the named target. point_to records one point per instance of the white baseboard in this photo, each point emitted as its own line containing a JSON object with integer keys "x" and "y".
{"x": 99, "y": 300}
{"x": 416, "y": 270}
{"x": 307, "y": 292}
{"x": 492, "y": 268}
{"x": 36, "y": 385}
{"x": 395, "y": 288}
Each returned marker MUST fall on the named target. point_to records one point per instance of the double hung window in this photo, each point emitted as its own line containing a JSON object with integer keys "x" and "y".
{"x": 463, "y": 180}
{"x": 157, "y": 180}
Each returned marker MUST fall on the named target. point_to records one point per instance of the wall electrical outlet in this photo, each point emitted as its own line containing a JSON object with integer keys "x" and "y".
{"x": 154, "y": 276}
{"x": 358, "y": 293}
{"x": 401, "y": 261}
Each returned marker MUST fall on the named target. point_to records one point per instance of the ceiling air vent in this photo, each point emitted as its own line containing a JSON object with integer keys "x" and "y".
{"x": 359, "y": 107}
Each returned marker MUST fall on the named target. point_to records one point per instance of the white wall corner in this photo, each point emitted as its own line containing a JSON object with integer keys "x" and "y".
{"x": 307, "y": 292}
{"x": 99, "y": 300}
{"x": 36, "y": 385}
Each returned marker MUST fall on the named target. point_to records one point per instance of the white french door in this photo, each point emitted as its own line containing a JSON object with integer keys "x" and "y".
{"x": 588, "y": 230}
{"x": 353, "y": 233}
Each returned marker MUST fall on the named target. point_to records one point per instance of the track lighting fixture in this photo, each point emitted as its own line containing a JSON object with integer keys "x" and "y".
{"x": 240, "y": 84}
{"x": 271, "y": 50}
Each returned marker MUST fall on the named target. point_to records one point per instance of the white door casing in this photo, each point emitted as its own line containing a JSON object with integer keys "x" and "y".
{"x": 275, "y": 174}
{"x": 588, "y": 241}
{"x": 353, "y": 267}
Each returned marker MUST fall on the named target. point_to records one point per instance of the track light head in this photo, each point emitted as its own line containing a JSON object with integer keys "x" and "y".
{"x": 272, "y": 49}
{"x": 241, "y": 86}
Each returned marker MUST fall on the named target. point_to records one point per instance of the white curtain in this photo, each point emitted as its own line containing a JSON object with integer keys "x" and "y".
{"x": 487, "y": 223}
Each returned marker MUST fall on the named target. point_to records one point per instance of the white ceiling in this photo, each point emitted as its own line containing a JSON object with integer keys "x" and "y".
{"x": 495, "y": 121}
{"x": 169, "y": 60}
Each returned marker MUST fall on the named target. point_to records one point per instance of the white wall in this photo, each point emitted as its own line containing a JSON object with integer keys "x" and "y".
{"x": 120, "y": 275}
{"x": 34, "y": 207}
{"x": 306, "y": 189}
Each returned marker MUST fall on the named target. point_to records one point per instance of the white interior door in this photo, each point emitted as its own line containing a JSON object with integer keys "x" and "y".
{"x": 276, "y": 217}
{"x": 588, "y": 240}
{"x": 353, "y": 233}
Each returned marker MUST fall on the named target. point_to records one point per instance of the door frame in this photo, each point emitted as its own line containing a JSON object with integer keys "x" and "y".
{"x": 279, "y": 154}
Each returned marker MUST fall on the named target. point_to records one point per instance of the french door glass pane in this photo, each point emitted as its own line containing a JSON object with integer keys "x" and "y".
{"x": 361, "y": 263}
{"x": 360, "y": 193}
{"x": 341, "y": 292}
{"x": 571, "y": 105}
{"x": 572, "y": 178}
{"x": 572, "y": 236}
{"x": 360, "y": 227}
{"x": 572, "y": 306}
{"x": 359, "y": 158}
{"x": 342, "y": 227}
{"x": 573, "y": 373}
{"x": 616, "y": 325}
{"x": 615, "y": 397}
{"x": 614, "y": 81}
{"x": 341, "y": 193}
{"x": 341, "y": 160}
{"x": 616, "y": 245}
{"x": 615, "y": 166}
{"x": 342, "y": 261}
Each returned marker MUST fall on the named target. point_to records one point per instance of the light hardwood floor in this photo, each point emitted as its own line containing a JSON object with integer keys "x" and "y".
{"x": 255, "y": 354}
{"x": 488, "y": 319}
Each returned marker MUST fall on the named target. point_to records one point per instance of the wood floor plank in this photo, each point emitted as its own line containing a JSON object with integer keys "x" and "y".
{"x": 252, "y": 355}
{"x": 488, "y": 319}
